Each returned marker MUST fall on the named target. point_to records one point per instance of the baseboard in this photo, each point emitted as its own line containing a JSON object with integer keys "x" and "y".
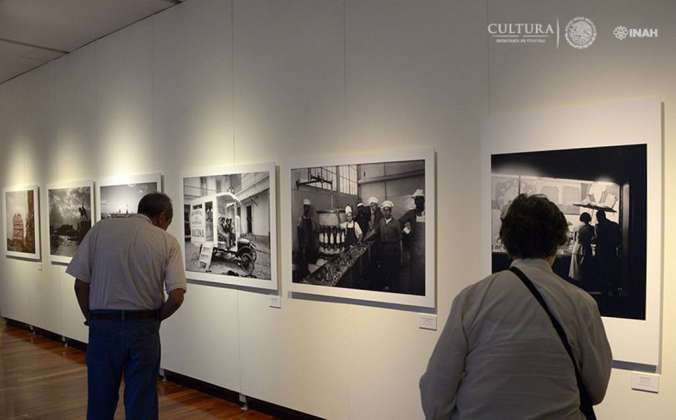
{"x": 47, "y": 334}
{"x": 76, "y": 344}
{"x": 207, "y": 388}
{"x": 275, "y": 410}
{"x": 18, "y": 324}
{"x": 35, "y": 330}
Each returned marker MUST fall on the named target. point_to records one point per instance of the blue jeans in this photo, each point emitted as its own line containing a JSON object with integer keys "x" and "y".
{"x": 129, "y": 348}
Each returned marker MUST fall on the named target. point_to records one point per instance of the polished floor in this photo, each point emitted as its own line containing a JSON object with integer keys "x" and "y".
{"x": 42, "y": 379}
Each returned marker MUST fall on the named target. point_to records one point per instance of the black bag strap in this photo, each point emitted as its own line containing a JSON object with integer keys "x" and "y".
{"x": 586, "y": 407}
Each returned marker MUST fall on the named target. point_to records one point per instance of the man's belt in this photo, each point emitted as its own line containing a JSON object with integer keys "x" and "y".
{"x": 120, "y": 315}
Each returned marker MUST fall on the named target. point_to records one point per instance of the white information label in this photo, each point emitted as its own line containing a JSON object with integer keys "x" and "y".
{"x": 649, "y": 382}
{"x": 275, "y": 301}
{"x": 427, "y": 322}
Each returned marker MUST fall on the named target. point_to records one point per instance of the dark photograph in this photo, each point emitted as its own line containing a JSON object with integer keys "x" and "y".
{"x": 602, "y": 192}
{"x": 360, "y": 226}
{"x": 227, "y": 225}
{"x": 70, "y": 218}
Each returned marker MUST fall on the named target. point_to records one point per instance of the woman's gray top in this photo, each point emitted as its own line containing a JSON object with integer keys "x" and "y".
{"x": 499, "y": 357}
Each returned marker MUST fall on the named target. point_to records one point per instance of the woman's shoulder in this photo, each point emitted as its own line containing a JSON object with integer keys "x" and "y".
{"x": 480, "y": 287}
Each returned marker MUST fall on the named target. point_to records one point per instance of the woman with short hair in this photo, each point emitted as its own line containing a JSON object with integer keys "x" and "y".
{"x": 500, "y": 355}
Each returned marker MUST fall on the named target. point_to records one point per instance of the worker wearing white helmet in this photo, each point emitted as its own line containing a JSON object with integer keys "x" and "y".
{"x": 413, "y": 243}
{"x": 375, "y": 214}
{"x": 353, "y": 233}
{"x": 308, "y": 239}
{"x": 362, "y": 217}
{"x": 387, "y": 234}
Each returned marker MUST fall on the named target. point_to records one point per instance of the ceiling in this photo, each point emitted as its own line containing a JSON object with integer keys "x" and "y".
{"x": 34, "y": 32}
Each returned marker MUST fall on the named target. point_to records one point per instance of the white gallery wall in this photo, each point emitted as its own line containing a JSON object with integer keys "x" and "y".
{"x": 217, "y": 82}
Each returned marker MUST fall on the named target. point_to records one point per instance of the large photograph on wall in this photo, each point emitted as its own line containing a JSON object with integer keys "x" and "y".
{"x": 364, "y": 228}
{"x": 602, "y": 165}
{"x": 119, "y": 197}
{"x": 229, "y": 226}
{"x": 22, "y": 222}
{"x": 71, "y": 216}
{"x": 602, "y": 192}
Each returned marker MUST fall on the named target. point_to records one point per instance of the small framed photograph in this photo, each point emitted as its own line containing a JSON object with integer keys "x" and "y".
{"x": 119, "y": 196}
{"x": 22, "y": 222}
{"x": 71, "y": 215}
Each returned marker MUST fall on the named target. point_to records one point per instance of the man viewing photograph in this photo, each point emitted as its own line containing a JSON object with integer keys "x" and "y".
{"x": 122, "y": 268}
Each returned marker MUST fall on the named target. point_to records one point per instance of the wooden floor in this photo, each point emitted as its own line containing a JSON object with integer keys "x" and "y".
{"x": 42, "y": 379}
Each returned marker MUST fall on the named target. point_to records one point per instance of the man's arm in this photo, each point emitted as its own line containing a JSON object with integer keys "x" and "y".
{"x": 175, "y": 282}
{"x": 82, "y": 294}
{"x": 174, "y": 301}
{"x": 80, "y": 268}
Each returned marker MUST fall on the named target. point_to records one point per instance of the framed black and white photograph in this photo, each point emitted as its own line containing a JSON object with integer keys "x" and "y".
{"x": 363, "y": 228}
{"x": 22, "y": 222}
{"x": 119, "y": 196}
{"x": 602, "y": 166}
{"x": 70, "y": 215}
{"x": 229, "y": 225}
{"x": 602, "y": 192}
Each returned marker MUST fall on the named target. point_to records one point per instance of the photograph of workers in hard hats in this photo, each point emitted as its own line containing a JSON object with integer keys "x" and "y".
{"x": 362, "y": 226}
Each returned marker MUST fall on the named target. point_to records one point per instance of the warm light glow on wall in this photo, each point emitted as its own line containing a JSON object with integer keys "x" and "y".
{"x": 68, "y": 157}
{"x": 124, "y": 147}
{"x": 21, "y": 161}
{"x": 213, "y": 132}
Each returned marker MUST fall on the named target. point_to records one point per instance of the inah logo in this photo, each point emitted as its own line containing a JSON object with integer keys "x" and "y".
{"x": 622, "y": 32}
{"x": 580, "y": 32}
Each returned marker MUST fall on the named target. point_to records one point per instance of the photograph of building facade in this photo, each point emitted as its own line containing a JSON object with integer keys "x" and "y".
{"x": 227, "y": 225}
{"x": 20, "y": 221}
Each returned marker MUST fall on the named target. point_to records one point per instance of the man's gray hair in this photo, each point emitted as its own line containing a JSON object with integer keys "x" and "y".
{"x": 154, "y": 204}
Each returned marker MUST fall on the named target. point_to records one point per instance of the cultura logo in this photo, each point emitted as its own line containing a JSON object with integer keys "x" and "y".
{"x": 580, "y": 32}
{"x": 521, "y": 33}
